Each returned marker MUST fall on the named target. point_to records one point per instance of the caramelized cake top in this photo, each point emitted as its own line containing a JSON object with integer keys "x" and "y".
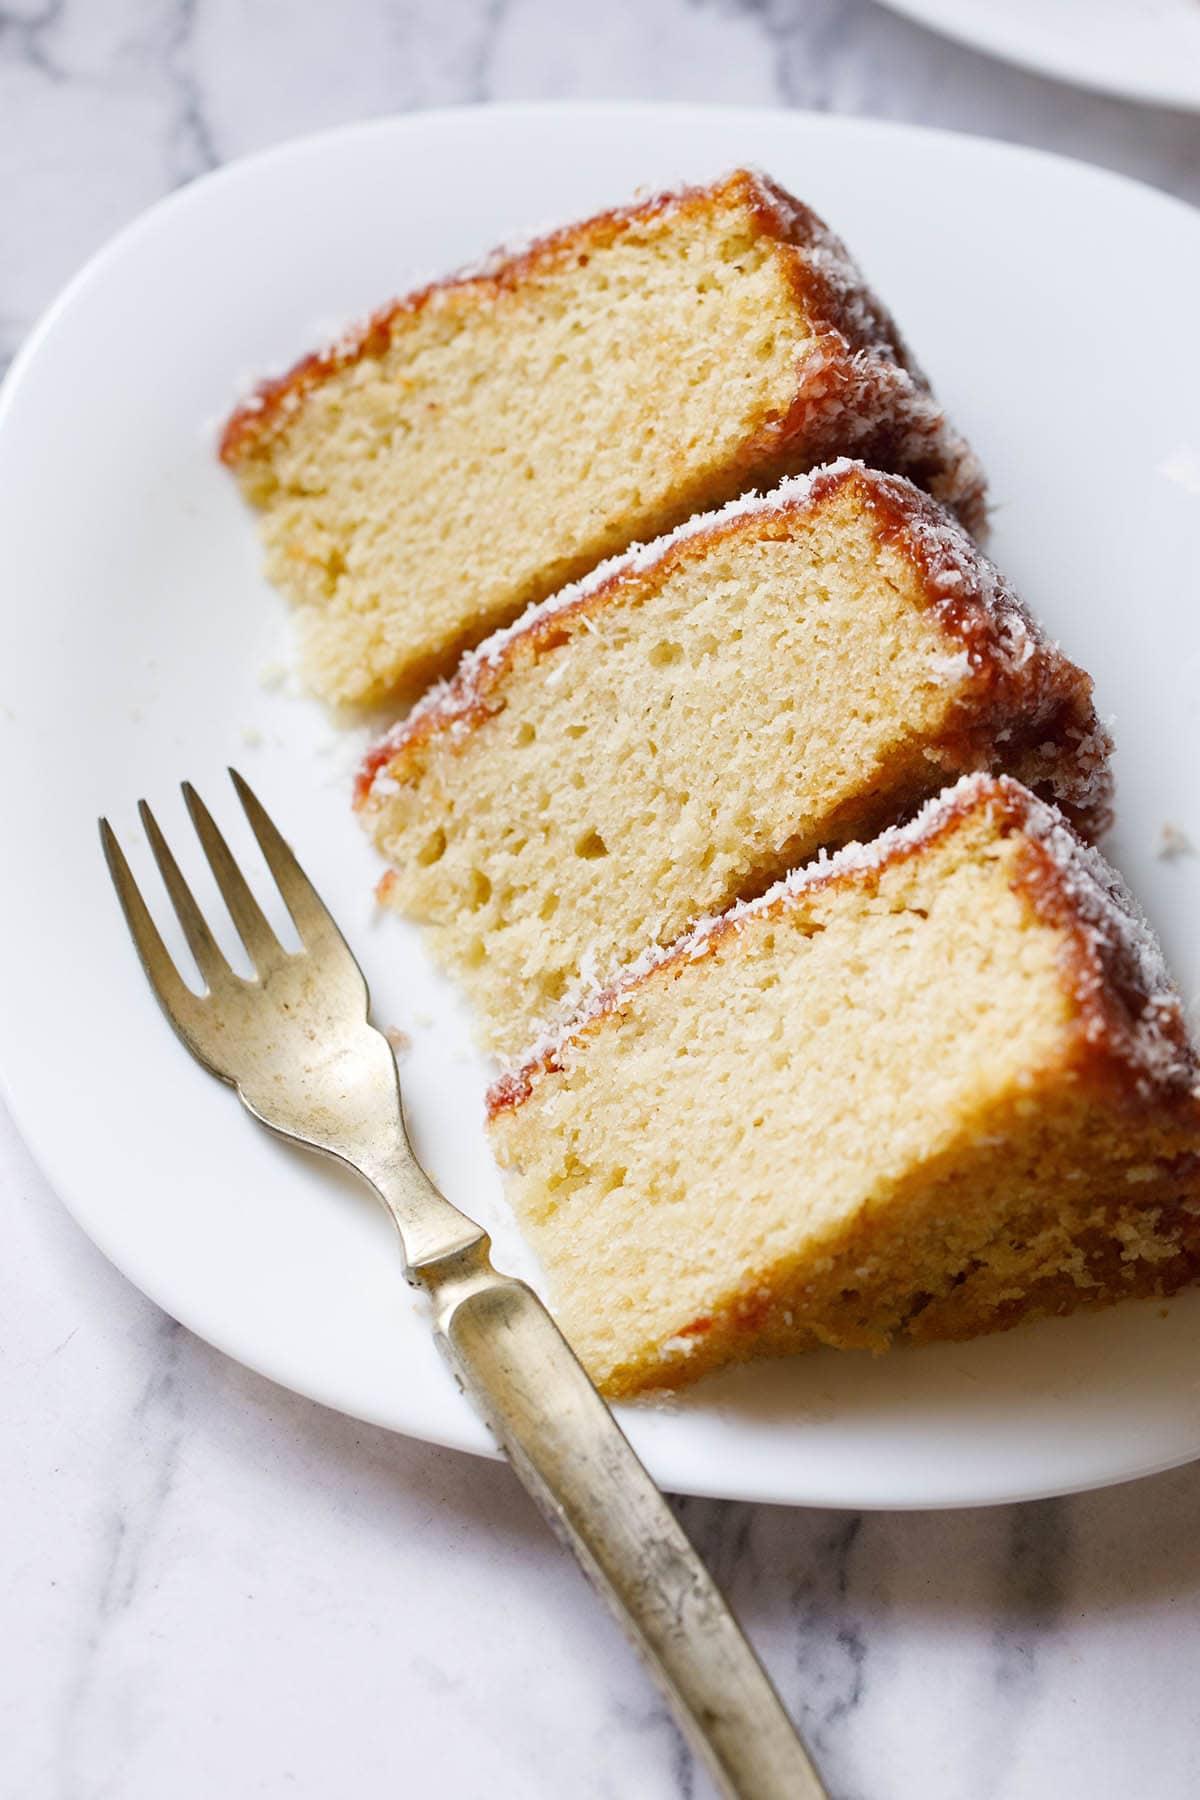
{"x": 859, "y": 368}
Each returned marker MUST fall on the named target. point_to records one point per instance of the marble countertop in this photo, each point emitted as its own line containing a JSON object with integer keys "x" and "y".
{"x": 212, "y": 1587}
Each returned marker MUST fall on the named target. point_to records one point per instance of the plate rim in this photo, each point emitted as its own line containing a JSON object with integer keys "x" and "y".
{"x": 180, "y": 197}
{"x": 991, "y": 40}
{"x": 12, "y": 1086}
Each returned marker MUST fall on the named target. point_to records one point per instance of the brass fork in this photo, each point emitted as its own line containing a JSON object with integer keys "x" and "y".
{"x": 296, "y": 1043}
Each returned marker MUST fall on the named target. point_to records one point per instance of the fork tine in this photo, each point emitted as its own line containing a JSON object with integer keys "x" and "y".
{"x": 264, "y": 947}
{"x": 209, "y": 960}
{"x": 310, "y": 915}
{"x": 174, "y": 996}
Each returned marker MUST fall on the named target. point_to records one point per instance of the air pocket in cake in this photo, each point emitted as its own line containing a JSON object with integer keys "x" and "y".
{"x": 700, "y": 716}
{"x": 476, "y": 446}
{"x": 925, "y": 1089}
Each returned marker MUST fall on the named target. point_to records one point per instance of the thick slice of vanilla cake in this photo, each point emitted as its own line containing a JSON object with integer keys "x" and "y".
{"x": 700, "y": 716}
{"x": 477, "y": 445}
{"x": 922, "y": 1089}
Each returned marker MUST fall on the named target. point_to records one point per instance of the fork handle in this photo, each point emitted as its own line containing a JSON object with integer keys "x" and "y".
{"x": 578, "y": 1465}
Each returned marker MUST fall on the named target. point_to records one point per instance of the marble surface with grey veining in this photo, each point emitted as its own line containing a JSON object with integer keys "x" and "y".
{"x": 209, "y": 1587}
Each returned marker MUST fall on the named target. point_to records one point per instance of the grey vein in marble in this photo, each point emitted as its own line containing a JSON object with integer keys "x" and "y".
{"x": 145, "y": 1462}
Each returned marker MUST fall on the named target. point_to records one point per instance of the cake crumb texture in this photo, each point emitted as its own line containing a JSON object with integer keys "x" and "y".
{"x": 480, "y": 444}
{"x": 926, "y": 1088}
{"x": 700, "y": 715}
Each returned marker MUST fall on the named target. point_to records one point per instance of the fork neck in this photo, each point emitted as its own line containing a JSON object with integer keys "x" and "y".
{"x": 434, "y": 1235}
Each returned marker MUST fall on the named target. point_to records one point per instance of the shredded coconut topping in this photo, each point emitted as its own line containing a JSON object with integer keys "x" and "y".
{"x": 1031, "y": 681}
{"x": 955, "y": 569}
{"x": 862, "y": 391}
{"x": 453, "y": 700}
{"x": 1124, "y": 952}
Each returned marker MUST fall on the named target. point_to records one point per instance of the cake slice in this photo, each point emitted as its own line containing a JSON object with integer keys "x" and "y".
{"x": 479, "y": 444}
{"x": 700, "y": 716}
{"x": 919, "y": 1090}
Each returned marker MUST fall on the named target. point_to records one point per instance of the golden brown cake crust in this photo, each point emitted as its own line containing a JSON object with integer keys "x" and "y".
{"x": 752, "y": 1324}
{"x": 1132, "y": 1040}
{"x": 1022, "y": 683}
{"x": 266, "y": 412}
{"x": 863, "y": 369}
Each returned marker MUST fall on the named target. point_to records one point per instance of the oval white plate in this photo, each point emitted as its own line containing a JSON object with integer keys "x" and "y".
{"x": 1144, "y": 49}
{"x": 137, "y": 628}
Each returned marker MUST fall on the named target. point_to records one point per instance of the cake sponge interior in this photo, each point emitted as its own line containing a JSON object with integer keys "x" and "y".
{"x": 778, "y": 681}
{"x": 482, "y": 443}
{"x": 870, "y": 1109}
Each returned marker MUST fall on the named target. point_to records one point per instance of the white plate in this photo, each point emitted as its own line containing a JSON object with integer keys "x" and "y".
{"x": 1144, "y": 49}
{"x": 136, "y": 627}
